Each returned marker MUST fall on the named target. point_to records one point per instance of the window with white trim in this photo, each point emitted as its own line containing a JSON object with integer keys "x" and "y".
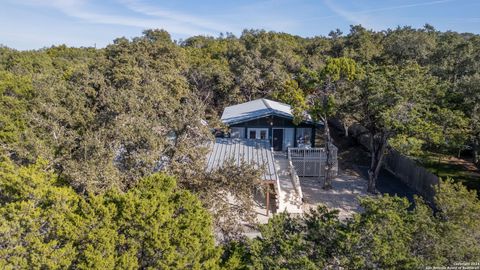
{"x": 258, "y": 133}
{"x": 304, "y": 136}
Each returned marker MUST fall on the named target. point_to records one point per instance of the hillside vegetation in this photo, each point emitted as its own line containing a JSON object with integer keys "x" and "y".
{"x": 94, "y": 141}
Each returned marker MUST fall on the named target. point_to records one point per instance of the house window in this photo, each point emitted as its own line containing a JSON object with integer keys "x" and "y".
{"x": 304, "y": 136}
{"x": 237, "y": 132}
{"x": 263, "y": 134}
{"x": 258, "y": 133}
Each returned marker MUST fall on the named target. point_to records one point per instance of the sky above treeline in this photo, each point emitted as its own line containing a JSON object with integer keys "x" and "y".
{"x": 33, "y": 24}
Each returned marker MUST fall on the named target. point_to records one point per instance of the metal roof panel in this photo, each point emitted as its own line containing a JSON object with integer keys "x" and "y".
{"x": 254, "y": 152}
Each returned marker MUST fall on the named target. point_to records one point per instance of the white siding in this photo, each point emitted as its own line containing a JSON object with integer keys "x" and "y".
{"x": 288, "y": 138}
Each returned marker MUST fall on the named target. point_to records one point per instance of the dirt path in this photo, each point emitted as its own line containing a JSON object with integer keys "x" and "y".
{"x": 467, "y": 165}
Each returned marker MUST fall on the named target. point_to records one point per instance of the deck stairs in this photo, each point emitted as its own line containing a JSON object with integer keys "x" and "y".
{"x": 289, "y": 199}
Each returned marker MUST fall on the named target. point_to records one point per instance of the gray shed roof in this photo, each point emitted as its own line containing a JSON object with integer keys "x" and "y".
{"x": 255, "y": 109}
{"x": 254, "y": 152}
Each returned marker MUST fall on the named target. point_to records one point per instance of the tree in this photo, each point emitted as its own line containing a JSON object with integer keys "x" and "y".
{"x": 228, "y": 193}
{"x": 381, "y": 236}
{"x": 406, "y": 44}
{"x": 15, "y": 94}
{"x": 469, "y": 87}
{"x": 121, "y": 117}
{"x": 388, "y": 233}
{"x": 297, "y": 243}
{"x": 262, "y": 61}
{"x": 337, "y": 43}
{"x": 293, "y": 95}
{"x": 456, "y": 224}
{"x": 322, "y": 101}
{"x": 46, "y": 224}
{"x": 362, "y": 45}
{"x": 456, "y": 61}
{"x": 390, "y": 102}
{"x": 209, "y": 73}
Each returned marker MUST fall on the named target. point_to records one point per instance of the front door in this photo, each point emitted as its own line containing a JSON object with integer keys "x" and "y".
{"x": 277, "y": 139}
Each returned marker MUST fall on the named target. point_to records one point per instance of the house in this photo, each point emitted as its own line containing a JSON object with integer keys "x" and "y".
{"x": 266, "y": 119}
{"x": 262, "y": 134}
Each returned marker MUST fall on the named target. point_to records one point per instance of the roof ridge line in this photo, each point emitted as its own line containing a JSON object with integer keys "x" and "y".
{"x": 266, "y": 104}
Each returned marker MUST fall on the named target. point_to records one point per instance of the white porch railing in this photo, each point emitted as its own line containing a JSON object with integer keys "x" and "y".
{"x": 295, "y": 180}
{"x": 277, "y": 187}
{"x": 311, "y": 162}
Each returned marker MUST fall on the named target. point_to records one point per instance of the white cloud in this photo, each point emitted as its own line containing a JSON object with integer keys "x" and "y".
{"x": 354, "y": 17}
{"x": 177, "y": 23}
{"x": 274, "y": 15}
{"x": 362, "y": 17}
{"x": 406, "y": 6}
{"x": 154, "y": 11}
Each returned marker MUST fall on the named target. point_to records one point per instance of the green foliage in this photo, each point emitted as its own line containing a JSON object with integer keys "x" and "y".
{"x": 340, "y": 68}
{"x": 293, "y": 243}
{"x": 406, "y": 43}
{"x": 15, "y": 93}
{"x": 386, "y": 235}
{"x": 407, "y": 145}
{"x": 228, "y": 193}
{"x": 209, "y": 72}
{"x": 48, "y": 225}
{"x": 292, "y": 94}
{"x": 458, "y": 228}
{"x": 337, "y": 75}
{"x": 394, "y": 104}
{"x": 105, "y": 122}
{"x": 281, "y": 246}
{"x": 363, "y": 45}
{"x": 381, "y": 236}
{"x": 103, "y": 119}
{"x": 469, "y": 94}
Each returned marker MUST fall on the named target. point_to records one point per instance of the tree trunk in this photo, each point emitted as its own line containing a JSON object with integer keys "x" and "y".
{"x": 345, "y": 128}
{"x": 476, "y": 158}
{"x": 328, "y": 151}
{"x": 377, "y": 151}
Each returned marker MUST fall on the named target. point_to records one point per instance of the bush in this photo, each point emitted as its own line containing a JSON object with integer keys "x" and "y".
{"x": 47, "y": 225}
{"x": 386, "y": 235}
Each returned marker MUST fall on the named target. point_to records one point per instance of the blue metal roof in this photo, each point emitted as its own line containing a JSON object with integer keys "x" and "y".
{"x": 255, "y": 109}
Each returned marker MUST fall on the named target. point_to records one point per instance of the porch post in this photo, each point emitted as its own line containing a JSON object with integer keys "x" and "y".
{"x": 268, "y": 198}
{"x": 312, "y": 140}
{"x": 295, "y": 137}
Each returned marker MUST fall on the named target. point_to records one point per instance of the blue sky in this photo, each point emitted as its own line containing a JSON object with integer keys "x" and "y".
{"x": 33, "y": 24}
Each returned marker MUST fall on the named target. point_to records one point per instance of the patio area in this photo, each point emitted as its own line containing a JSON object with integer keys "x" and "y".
{"x": 347, "y": 188}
